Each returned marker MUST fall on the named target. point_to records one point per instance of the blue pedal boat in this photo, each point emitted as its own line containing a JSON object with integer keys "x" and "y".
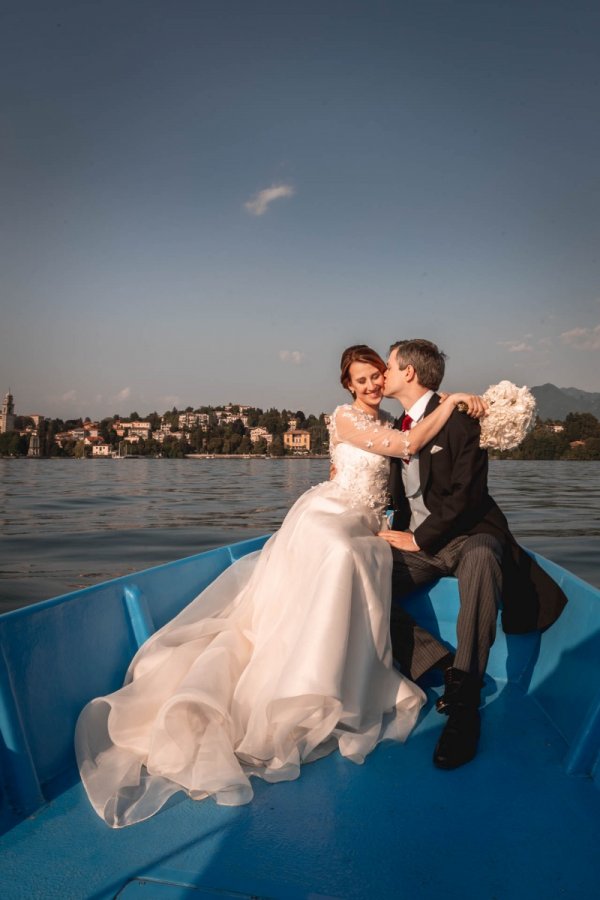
{"x": 521, "y": 820}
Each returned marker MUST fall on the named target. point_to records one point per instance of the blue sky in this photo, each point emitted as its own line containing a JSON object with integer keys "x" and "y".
{"x": 204, "y": 202}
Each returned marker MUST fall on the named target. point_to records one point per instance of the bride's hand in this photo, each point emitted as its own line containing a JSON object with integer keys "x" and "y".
{"x": 472, "y": 404}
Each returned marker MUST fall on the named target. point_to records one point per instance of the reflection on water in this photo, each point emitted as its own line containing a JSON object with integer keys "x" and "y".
{"x": 70, "y": 523}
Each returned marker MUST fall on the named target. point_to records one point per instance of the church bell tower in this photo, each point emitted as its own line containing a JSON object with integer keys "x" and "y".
{"x": 7, "y": 418}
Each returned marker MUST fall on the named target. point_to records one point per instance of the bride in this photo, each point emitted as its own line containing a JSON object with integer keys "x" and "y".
{"x": 282, "y": 659}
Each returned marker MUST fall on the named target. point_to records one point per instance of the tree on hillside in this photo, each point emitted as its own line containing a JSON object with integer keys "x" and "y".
{"x": 277, "y": 448}
{"x": 542, "y": 444}
{"x": 12, "y": 444}
{"x": 245, "y": 445}
{"x": 197, "y": 439}
{"x": 214, "y": 444}
{"x": 271, "y": 420}
{"x": 232, "y": 443}
{"x": 47, "y": 429}
{"x": 173, "y": 448}
{"x": 589, "y": 450}
{"x": 23, "y": 422}
{"x": 580, "y": 426}
{"x": 253, "y": 417}
{"x": 171, "y": 419}
{"x": 107, "y": 432}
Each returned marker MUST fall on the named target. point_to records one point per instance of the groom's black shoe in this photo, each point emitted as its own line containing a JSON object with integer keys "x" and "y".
{"x": 458, "y": 742}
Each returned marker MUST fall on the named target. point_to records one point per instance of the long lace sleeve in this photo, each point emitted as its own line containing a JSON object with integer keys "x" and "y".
{"x": 358, "y": 428}
{"x": 351, "y": 426}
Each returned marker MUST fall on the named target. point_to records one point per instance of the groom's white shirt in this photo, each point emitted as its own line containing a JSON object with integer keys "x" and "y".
{"x": 410, "y": 472}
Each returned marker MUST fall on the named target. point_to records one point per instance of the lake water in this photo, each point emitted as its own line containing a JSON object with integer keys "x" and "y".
{"x": 68, "y": 523}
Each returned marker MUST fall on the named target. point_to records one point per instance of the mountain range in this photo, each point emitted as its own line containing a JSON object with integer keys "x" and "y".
{"x": 556, "y": 403}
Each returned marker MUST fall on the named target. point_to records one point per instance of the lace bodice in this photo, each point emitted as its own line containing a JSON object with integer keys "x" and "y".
{"x": 356, "y": 442}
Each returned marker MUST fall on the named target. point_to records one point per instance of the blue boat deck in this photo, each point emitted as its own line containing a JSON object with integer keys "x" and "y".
{"x": 511, "y": 824}
{"x": 521, "y": 820}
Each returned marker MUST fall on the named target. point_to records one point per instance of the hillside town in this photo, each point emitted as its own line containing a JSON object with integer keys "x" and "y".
{"x": 230, "y": 430}
{"x": 238, "y": 430}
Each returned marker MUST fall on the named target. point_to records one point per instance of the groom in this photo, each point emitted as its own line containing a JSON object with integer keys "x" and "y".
{"x": 446, "y": 523}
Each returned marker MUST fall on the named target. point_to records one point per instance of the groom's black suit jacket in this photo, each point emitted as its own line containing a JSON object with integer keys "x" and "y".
{"x": 454, "y": 485}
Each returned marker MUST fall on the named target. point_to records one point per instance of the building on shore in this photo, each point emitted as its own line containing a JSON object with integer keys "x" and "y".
{"x": 101, "y": 450}
{"x": 34, "y": 444}
{"x": 260, "y": 434}
{"x": 193, "y": 420}
{"x": 297, "y": 440}
{"x": 132, "y": 429}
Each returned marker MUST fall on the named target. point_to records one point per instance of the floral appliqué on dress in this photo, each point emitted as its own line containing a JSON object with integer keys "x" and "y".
{"x": 359, "y": 469}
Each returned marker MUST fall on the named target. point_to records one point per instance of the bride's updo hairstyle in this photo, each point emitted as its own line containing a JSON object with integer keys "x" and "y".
{"x": 359, "y": 353}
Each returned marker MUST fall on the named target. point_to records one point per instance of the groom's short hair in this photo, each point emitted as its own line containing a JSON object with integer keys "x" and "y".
{"x": 426, "y": 358}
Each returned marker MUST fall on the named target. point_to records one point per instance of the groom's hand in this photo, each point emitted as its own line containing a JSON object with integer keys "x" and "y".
{"x": 401, "y": 540}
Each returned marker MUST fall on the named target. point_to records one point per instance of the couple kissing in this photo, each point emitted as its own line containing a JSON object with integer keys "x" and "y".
{"x": 304, "y": 647}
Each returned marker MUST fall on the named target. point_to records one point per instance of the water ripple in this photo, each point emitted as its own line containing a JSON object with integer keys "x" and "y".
{"x": 70, "y": 523}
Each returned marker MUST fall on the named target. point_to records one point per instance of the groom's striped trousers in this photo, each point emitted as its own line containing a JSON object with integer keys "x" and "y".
{"x": 475, "y": 560}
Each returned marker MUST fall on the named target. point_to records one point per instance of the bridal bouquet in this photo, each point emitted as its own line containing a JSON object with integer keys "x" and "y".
{"x": 510, "y": 416}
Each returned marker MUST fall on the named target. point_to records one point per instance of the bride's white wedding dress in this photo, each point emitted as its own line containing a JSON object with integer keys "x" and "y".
{"x": 285, "y": 657}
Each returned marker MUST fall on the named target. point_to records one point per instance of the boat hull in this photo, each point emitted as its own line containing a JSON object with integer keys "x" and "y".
{"x": 523, "y": 819}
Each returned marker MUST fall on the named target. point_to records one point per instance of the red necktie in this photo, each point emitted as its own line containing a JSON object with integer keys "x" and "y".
{"x": 405, "y": 426}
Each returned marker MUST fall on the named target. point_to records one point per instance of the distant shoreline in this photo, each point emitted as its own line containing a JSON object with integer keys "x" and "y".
{"x": 210, "y": 456}
{"x": 253, "y": 456}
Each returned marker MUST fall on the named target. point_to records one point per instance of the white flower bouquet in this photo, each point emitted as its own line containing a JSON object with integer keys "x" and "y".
{"x": 510, "y": 416}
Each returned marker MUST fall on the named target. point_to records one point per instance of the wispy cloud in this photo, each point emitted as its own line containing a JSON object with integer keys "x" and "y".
{"x": 292, "y": 356}
{"x": 123, "y": 395}
{"x": 583, "y": 338}
{"x": 169, "y": 400}
{"x": 69, "y": 396}
{"x": 259, "y": 204}
{"x": 516, "y": 346}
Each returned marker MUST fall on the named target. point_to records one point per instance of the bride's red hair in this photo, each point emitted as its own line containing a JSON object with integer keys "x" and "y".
{"x": 359, "y": 353}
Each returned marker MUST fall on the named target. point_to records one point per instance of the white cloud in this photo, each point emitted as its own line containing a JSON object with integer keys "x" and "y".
{"x": 292, "y": 356}
{"x": 583, "y": 338}
{"x": 259, "y": 204}
{"x": 123, "y": 395}
{"x": 69, "y": 396}
{"x": 516, "y": 346}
